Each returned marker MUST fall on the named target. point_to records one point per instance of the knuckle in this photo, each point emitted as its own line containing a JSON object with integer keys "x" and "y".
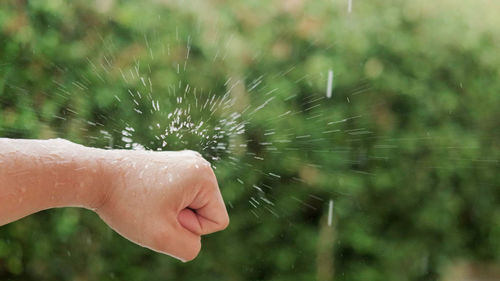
{"x": 197, "y": 162}
{"x": 225, "y": 223}
{"x": 205, "y": 168}
{"x": 192, "y": 153}
{"x": 203, "y": 162}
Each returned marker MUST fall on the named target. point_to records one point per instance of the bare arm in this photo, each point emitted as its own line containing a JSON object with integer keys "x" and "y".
{"x": 161, "y": 200}
{"x": 41, "y": 174}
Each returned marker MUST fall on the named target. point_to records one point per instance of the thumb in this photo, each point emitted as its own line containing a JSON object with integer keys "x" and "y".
{"x": 205, "y": 213}
{"x": 205, "y": 220}
{"x": 189, "y": 220}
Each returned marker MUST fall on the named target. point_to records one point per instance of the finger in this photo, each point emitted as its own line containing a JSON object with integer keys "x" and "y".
{"x": 210, "y": 211}
{"x": 179, "y": 243}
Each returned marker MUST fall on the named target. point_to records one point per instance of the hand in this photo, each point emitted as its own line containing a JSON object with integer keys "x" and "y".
{"x": 163, "y": 201}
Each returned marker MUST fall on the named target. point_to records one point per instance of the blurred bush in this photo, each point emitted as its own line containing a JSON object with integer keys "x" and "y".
{"x": 415, "y": 192}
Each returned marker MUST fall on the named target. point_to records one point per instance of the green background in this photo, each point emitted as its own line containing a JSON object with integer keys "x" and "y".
{"x": 416, "y": 194}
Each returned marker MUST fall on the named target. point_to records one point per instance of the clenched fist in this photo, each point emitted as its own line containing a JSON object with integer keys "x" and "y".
{"x": 164, "y": 201}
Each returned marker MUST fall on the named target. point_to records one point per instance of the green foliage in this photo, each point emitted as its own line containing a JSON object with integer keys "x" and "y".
{"x": 417, "y": 193}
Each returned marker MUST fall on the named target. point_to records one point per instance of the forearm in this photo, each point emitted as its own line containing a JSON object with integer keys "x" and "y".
{"x": 37, "y": 175}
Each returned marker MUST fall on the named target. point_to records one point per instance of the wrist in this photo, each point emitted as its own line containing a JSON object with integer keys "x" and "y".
{"x": 94, "y": 177}
{"x": 41, "y": 174}
{"x": 83, "y": 179}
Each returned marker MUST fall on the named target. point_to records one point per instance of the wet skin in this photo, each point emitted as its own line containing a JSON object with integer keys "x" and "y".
{"x": 164, "y": 201}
